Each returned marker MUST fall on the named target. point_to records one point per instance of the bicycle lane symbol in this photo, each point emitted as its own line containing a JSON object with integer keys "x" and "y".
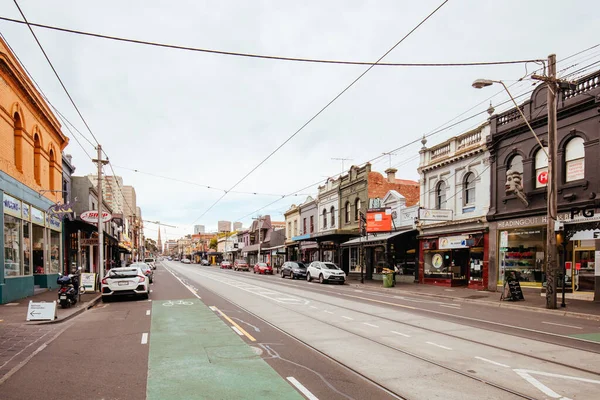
{"x": 178, "y": 303}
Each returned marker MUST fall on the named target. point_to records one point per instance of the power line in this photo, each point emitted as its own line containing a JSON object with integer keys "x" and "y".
{"x": 261, "y": 56}
{"x": 324, "y": 108}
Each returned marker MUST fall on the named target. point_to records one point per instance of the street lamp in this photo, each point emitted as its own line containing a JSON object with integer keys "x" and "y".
{"x": 551, "y": 83}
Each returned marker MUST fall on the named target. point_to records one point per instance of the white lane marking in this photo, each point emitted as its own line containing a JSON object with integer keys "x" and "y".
{"x": 301, "y": 388}
{"x": 237, "y": 330}
{"x": 316, "y": 308}
{"x": 526, "y": 374}
{"x": 213, "y": 308}
{"x": 328, "y": 312}
{"x": 401, "y": 334}
{"x": 147, "y": 312}
{"x": 368, "y": 324}
{"x": 359, "y": 291}
{"x": 566, "y": 326}
{"x": 439, "y": 345}
{"x": 492, "y": 362}
{"x": 449, "y": 306}
{"x": 351, "y": 319}
{"x": 188, "y": 287}
{"x": 144, "y": 338}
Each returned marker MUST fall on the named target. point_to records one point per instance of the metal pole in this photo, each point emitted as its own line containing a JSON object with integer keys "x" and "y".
{"x": 79, "y": 249}
{"x": 100, "y": 163}
{"x": 551, "y": 269}
{"x": 564, "y": 243}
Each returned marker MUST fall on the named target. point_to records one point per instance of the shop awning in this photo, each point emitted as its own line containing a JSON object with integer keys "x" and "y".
{"x": 274, "y": 248}
{"x": 251, "y": 248}
{"x": 374, "y": 237}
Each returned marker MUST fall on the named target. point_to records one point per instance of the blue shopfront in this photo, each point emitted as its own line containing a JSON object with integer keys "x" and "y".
{"x": 31, "y": 241}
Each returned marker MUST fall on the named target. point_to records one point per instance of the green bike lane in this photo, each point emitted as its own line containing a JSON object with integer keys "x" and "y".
{"x": 195, "y": 355}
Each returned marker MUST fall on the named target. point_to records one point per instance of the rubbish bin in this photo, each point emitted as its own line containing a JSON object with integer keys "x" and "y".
{"x": 388, "y": 280}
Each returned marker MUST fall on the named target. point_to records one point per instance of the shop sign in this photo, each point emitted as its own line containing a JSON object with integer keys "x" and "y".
{"x": 427, "y": 214}
{"x": 575, "y": 170}
{"x": 37, "y": 216}
{"x": 379, "y": 220}
{"x": 88, "y": 281}
{"x": 92, "y": 217}
{"x": 541, "y": 178}
{"x": 453, "y": 242}
{"x": 437, "y": 261}
{"x": 89, "y": 242}
{"x": 504, "y": 239}
{"x": 12, "y": 206}
{"x": 55, "y": 223}
{"x": 39, "y": 311}
{"x": 26, "y": 211}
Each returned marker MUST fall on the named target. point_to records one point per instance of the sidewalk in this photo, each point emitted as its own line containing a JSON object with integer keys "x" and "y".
{"x": 534, "y": 301}
{"x": 16, "y": 312}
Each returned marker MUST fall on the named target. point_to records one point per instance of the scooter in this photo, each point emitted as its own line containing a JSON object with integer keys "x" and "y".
{"x": 69, "y": 291}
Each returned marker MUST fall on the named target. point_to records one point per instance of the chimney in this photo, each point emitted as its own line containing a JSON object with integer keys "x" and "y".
{"x": 391, "y": 174}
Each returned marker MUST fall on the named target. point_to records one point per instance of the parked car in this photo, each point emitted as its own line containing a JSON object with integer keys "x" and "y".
{"x": 125, "y": 281}
{"x": 146, "y": 269}
{"x": 325, "y": 272}
{"x": 170, "y": 258}
{"x": 225, "y": 264}
{"x": 204, "y": 262}
{"x": 263, "y": 268}
{"x": 293, "y": 269}
{"x": 150, "y": 261}
{"x": 186, "y": 261}
{"x": 241, "y": 265}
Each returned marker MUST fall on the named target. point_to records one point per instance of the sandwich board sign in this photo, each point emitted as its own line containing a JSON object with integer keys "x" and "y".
{"x": 41, "y": 311}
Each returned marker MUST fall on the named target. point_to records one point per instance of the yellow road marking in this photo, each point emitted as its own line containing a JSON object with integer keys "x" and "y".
{"x": 249, "y": 336}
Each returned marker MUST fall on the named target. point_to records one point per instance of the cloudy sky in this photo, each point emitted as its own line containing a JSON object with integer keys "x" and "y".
{"x": 207, "y": 119}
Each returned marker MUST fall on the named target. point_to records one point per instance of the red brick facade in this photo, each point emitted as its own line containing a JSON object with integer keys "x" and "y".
{"x": 379, "y": 186}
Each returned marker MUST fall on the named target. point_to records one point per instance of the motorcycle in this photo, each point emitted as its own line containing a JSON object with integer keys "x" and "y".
{"x": 69, "y": 291}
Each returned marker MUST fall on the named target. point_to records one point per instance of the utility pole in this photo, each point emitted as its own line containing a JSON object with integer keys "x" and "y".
{"x": 258, "y": 219}
{"x": 551, "y": 267}
{"x": 100, "y": 163}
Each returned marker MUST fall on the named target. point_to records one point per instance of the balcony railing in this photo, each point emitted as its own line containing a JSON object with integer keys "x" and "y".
{"x": 584, "y": 85}
{"x": 440, "y": 151}
{"x": 469, "y": 140}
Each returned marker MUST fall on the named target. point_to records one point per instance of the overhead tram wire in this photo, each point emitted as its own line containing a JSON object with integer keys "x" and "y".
{"x": 324, "y": 108}
{"x": 260, "y": 56}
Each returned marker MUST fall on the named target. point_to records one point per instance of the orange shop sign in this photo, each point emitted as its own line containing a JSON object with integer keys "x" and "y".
{"x": 379, "y": 220}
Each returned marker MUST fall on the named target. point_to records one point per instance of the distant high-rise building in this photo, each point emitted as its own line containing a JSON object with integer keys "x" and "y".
{"x": 224, "y": 226}
{"x": 199, "y": 229}
{"x": 237, "y": 226}
{"x": 112, "y": 191}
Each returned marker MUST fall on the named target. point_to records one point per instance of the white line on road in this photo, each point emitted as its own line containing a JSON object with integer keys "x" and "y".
{"x": 351, "y": 319}
{"x": 150, "y": 290}
{"x": 147, "y": 312}
{"x": 237, "y": 330}
{"x": 328, "y": 312}
{"x": 401, "y": 334}
{"x": 439, "y": 345}
{"x": 301, "y": 388}
{"x": 368, "y": 324}
{"x": 450, "y": 306}
{"x": 566, "y": 326}
{"x": 144, "y": 338}
{"x": 213, "y": 308}
{"x": 492, "y": 362}
{"x": 188, "y": 288}
{"x": 314, "y": 307}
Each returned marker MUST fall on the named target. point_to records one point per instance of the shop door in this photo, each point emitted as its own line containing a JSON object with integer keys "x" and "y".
{"x": 583, "y": 270}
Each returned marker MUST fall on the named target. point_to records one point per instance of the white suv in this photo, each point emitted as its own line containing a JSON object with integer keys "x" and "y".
{"x": 151, "y": 262}
{"x": 125, "y": 281}
{"x": 325, "y": 272}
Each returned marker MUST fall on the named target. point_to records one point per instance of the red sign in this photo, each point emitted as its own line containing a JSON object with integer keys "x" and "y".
{"x": 577, "y": 266}
{"x": 543, "y": 177}
{"x": 568, "y": 265}
{"x": 379, "y": 220}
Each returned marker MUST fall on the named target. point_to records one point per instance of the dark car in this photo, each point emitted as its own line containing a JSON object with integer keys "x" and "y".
{"x": 263, "y": 268}
{"x": 293, "y": 269}
{"x": 225, "y": 264}
{"x": 241, "y": 265}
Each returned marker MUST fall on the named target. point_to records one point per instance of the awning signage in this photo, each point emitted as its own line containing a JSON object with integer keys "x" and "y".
{"x": 428, "y": 214}
{"x": 12, "y": 206}
{"x": 453, "y": 242}
{"x": 37, "y": 216}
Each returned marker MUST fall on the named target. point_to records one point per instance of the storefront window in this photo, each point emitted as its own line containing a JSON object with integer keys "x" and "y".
{"x": 522, "y": 251}
{"x": 354, "y": 261}
{"x": 38, "y": 249}
{"x": 26, "y": 249}
{"x": 476, "y": 273}
{"x": 54, "y": 252}
{"x": 12, "y": 246}
{"x": 379, "y": 259}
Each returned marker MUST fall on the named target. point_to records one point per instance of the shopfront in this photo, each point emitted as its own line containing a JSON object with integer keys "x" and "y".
{"x": 454, "y": 260}
{"x": 32, "y": 244}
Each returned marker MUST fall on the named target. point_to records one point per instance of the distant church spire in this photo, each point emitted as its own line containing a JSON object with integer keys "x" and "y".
{"x": 159, "y": 242}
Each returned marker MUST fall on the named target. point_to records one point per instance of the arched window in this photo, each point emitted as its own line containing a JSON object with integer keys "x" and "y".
{"x": 37, "y": 159}
{"x": 18, "y": 142}
{"x": 440, "y": 195}
{"x": 541, "y": 168}
{"x": 347, "y": 212}
{"x": 332, "y": 211}
{"x": 574, "y": 160}
{"x": 356, "y": 209}
{"x": 51, "y": 170}
{"x": 469, "y": 189}
{"x": 324, "y": 218}
{"x": 516, "y": 164}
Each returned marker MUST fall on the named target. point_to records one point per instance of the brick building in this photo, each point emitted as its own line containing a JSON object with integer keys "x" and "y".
{"x": 31, "y": 146}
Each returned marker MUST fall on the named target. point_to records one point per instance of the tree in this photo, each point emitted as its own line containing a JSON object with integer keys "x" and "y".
{"x": 213, "y": 244}
{"x": 150, "y": 245}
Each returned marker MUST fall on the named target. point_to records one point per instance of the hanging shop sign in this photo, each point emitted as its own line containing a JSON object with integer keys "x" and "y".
{"x": 12, "y": 206}
{"x": 61, "y": 210}
{"x": 454, "y": 242}
{"x": 428, "y": 214}
{"x": 379, "y": 220}
{"x": 92, "y": 216}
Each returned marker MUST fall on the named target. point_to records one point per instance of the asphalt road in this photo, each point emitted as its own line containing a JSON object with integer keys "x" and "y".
{"x": 415, "y": 346}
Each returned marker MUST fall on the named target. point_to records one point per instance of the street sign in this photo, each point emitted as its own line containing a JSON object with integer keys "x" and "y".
{"x": 40, "y": 311}
{"x": 92, "y": 216}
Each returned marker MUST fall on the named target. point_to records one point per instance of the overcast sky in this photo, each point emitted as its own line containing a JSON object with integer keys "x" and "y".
{"x": 208, "y": 119}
